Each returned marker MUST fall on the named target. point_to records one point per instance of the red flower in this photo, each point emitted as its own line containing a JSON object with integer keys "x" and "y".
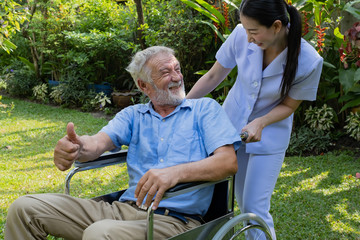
{"x": 352, "y": 49}
{"x": 320, "y": 37}
{"x": 306, "y": 23}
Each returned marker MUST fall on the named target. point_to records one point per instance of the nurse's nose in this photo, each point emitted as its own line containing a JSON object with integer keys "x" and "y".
{"x": 250, "y": 39}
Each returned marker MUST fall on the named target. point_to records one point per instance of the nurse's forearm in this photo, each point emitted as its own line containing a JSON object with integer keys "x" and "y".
{"x": 202, "y": 87}
{"x": 280, "y": 112}
{"x": 209, "y": 81}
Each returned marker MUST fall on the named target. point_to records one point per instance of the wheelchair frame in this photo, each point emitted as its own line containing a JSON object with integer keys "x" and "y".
{"x": 220, "y": 222}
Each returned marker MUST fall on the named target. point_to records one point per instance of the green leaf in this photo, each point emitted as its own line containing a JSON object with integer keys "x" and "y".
{"x": 327, "y": 64}
{"x": 353, "y": 103}
{"x": 357, "y": 75}
{"x": 212, "y": 10}
{"x": 346, "y": 78}
{"x": 201, "y": 10}
{"x": 338, "y": 34}
{"x": 9, "y": 45}
{"x": 354, "y": 11}
{"x": 27, "y": 63}
{"x": 230, "y": 3}
{"x": 218, "y": 33}
{"x": 201, "y": 72}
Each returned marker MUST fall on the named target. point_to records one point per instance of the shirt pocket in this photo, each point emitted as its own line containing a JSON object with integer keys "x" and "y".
{"x": 186, "y": 146}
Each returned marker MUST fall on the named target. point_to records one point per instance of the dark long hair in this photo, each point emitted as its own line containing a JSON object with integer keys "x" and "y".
{"x": 266, "y": 12}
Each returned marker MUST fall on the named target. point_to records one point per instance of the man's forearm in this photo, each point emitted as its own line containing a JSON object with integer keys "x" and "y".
{"x": 94, "y": 146}
{"x": 221, "y": 164}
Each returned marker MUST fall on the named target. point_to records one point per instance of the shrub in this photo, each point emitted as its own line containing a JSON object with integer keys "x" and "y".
{"x": 100, "y": 101}
{"x": 353, "y": 125}
{"x": 74, "y": 87}
{"x": 21, "y": 82}
{"x": 309, "y": 141}
{"x": 40, "y": 92}
{"x": 102, "y": 55}
{"x": 56, "y": 94}
{"x": 320, "y": 118}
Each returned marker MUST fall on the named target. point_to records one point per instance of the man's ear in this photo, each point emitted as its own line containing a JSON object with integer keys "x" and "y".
{"x": 142, "y": 85}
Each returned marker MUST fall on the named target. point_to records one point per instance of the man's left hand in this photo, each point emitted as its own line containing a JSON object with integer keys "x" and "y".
{"x": 155, "y": 182}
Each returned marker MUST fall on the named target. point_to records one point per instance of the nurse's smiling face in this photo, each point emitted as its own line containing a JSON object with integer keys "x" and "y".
{"x": 259, "y": 34}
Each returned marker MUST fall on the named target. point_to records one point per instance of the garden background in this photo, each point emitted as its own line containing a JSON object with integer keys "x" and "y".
{"x": 64, "y": 60}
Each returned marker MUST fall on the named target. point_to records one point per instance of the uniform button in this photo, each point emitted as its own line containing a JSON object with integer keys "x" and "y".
{"x": 161, "y": 160}
{"x": 161, "y": 139}
{"x": 253, "y": 96}
{"x": 249, "y": 107}
{"x": 255, "y": 84}
{"x": 163, "y": 120}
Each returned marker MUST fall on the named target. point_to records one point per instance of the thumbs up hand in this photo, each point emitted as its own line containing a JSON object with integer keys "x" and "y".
{"x": 71, "y": 134}
{"x": 67, "y": 150}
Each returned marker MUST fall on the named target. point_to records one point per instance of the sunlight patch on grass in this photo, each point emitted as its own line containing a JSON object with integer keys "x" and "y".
{"x": 341, "y": 222}
{"x": 312, "y": 183}
{"x": 347, "y": 183}
{"x": 292, "y": 173}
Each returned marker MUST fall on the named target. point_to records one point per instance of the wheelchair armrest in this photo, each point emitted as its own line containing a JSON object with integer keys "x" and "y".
{"x": 104, "y": 160}
{"x": 182, "y": 188}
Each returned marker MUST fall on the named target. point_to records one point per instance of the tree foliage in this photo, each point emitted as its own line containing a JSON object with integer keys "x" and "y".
{"x": 12, "y": 15}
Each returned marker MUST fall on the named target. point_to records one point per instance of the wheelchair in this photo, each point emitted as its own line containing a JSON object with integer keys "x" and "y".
{"x": 219, "y": 221}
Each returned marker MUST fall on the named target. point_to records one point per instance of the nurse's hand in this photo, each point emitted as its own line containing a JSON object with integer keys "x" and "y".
{"x": 254, "y": 130}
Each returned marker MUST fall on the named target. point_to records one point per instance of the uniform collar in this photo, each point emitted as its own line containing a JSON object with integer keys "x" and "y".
{"x": 276, "y": 67}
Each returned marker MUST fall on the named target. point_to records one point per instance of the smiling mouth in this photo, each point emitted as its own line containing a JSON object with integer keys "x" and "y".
{"x": 174, "y": 86}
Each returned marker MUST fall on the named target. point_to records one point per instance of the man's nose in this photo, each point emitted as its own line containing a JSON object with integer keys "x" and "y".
{"x": 176, "y": 76}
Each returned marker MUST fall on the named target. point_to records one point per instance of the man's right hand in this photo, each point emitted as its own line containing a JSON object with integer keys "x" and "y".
{"x": 67, "y": 150}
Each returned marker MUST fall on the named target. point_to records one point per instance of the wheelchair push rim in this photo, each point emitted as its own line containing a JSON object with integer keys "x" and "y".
{"x": 240, "y": 219}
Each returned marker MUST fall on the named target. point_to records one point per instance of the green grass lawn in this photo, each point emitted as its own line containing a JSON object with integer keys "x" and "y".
{"x": 315, "y": 197}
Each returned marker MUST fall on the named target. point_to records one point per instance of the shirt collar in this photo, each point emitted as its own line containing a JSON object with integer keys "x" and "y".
{"x": 148, "y": 107}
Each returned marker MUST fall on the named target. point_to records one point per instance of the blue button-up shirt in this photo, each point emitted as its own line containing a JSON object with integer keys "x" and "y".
{"x": 193, "y": 131}
{"x": 256, "y": 91}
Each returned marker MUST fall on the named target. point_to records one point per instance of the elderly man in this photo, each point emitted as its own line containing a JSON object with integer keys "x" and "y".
{"x": 171, "y": 140}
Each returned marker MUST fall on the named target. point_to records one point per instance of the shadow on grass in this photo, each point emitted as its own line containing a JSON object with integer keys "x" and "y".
{"x": 319, "y": 200}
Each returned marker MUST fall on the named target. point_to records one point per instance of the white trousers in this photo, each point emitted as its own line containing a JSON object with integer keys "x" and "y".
{"x": 254, "y": 184}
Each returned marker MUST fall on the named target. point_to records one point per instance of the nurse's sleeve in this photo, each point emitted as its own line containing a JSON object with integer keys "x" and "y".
{"x": 226, "y": 55}
{"x": 306, "y": 84}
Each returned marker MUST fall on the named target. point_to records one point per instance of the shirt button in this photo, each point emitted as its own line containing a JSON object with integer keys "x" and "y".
{"x": 249, "y": 107}
{"x": 255, "y": 84}
{"x": 253, "y": 96}
{"x": 161, "y": 160}
{"x": 163, "y": 120}
{"x": 161, "y": 139}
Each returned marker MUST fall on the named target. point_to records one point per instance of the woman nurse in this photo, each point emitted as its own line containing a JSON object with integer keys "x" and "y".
{"x": 277, "y": 70}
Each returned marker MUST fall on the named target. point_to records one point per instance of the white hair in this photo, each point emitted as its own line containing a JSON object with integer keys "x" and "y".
{"x": 137, "y": 67}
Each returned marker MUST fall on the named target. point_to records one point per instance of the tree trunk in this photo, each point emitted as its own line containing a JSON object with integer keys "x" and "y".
{"x": 141, "y": 22}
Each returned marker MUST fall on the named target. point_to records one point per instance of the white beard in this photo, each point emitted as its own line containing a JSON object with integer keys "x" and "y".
{"x": 166, "y": 97}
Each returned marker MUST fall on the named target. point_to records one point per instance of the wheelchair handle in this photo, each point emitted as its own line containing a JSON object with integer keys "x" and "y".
{"x": 244, "y": 136}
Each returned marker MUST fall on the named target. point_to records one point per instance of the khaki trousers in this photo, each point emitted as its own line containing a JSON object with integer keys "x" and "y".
{"x": 60, "y": 215}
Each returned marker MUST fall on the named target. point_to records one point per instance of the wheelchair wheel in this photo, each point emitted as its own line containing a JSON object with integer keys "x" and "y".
{"x": 236, "y": 228}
